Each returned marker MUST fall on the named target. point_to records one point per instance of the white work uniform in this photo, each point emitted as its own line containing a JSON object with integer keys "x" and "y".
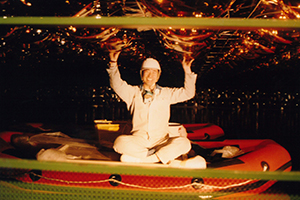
{"x": 150, "y": 120}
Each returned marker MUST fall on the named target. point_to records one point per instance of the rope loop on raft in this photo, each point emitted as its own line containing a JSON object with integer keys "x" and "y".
{"x": 198, "y": 185}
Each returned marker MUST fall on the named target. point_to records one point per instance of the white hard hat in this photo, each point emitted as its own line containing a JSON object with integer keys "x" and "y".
{"x": 150, "y": 63}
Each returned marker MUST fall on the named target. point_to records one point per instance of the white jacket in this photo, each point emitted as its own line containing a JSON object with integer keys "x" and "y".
{"x": 150, "y": 120}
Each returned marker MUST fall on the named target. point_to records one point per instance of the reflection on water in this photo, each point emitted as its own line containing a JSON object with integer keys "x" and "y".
{"x": 243, "y": 123}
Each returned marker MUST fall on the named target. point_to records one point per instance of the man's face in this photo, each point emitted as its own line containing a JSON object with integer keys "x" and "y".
{"x": 150, "y": 77}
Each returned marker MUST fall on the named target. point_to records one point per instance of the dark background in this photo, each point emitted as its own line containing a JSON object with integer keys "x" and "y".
{"x": 66, "y": 85}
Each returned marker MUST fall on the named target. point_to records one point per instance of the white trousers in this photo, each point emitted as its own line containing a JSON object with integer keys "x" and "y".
{"x": 166, "y": 149}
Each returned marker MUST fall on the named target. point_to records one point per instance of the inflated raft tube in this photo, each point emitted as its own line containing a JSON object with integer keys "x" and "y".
{"x": 203, "y": 131}
{"x": 245, "y": 155}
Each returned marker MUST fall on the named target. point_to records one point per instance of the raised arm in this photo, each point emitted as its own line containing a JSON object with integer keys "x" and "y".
{"x": 188, "y": 90}
{"x": 121, "y": 88}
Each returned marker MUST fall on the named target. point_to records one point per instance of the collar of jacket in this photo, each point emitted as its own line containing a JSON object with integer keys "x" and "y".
{"x": 157, "y": 87}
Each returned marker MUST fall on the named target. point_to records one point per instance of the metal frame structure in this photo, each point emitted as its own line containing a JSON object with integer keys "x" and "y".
{"x": 155, "y": 22}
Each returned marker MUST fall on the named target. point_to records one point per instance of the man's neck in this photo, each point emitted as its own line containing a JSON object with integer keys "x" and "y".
{"x": 150, "y": 88}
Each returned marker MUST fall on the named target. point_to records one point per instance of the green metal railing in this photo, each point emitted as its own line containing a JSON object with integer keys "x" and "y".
{"x": 155, "y": 22}
{"x": 10, "y": 189}
{"x": 116, "y": 167}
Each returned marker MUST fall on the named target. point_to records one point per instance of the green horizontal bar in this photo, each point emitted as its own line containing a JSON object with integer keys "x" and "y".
{"x": 120, "y": 168}
{"x": 155, "y": 22}
{"x": 19, "y": 190}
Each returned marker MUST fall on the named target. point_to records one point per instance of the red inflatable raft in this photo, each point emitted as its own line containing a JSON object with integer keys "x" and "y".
{"x": 251, "y": 155}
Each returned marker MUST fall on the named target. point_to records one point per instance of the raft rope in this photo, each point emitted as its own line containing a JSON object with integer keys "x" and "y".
{"x": 198, "y": 185}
